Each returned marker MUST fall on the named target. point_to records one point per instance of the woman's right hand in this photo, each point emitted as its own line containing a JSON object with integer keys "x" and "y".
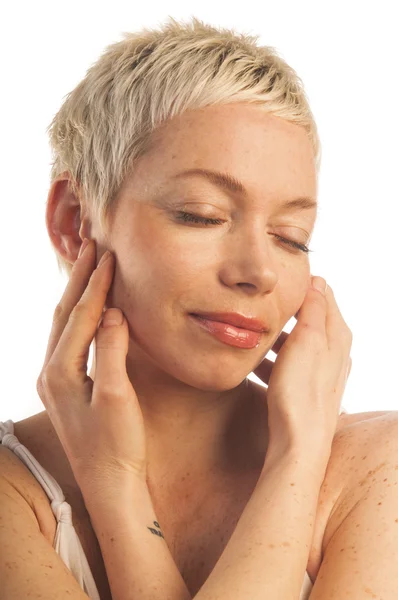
{"x": 99, "y": 423}
{"x": 306, "y": 381}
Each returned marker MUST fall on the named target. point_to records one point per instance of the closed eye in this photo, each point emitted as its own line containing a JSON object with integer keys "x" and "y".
{"x": 191, "y": 218}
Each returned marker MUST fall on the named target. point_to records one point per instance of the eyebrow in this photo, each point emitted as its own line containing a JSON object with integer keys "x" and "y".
{"x": 228, "y": 182}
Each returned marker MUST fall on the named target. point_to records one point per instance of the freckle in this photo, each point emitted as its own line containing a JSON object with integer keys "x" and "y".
{"x": 292, "y": 484}
{"x": 396, "y": 520}
{"x": 271, "y": 545}
{"x": 363, "y": 458}
{"x": 379, "y": 503}
{"x": 385, "y": 479}
{"x": 341, "y": 549}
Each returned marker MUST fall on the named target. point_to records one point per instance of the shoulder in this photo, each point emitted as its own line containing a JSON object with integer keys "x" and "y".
{"x": 14, "y": 473}
{"x": 364, "y": 448}
{"x": 17, "y": 474}
{"x": 354, "y": 433}
{"x": 13, "y": 469}
{"x": 363, "y": 480}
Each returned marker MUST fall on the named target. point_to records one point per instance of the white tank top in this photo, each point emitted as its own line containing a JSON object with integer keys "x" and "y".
{"x": 66, "y": 541}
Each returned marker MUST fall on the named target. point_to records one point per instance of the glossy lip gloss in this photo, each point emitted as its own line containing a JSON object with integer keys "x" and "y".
{"x": 229, "y": 334}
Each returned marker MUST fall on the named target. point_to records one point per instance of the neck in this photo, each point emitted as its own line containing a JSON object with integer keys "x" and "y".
{"x": 196, "y": 431}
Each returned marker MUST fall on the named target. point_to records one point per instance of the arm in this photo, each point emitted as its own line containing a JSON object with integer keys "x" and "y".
{"x": 138, "y": 562}
{"x": 266, "y": 556}
{"x": 268, "y": 552}
{"x": 29, "y": 565}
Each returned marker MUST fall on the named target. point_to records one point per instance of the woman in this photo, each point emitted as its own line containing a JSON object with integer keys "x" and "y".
{"x": 191, "y": 154}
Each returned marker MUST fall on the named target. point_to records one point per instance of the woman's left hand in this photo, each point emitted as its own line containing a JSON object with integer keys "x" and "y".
{"x": 264, "y": 369}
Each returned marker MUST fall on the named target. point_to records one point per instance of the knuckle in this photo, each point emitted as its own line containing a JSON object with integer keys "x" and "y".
{"x": 319, "y": 299}
{"x": 314, "y": 331}
{"x": 84, "y": 310}
{"x": 48, "y": 376}
{"x": 39, "y": 385}
{"x": 54, "y": 372}
{"x": 58, "y": 312}
{"x": 43, "y": 386}
{"x": 108, "y": 391}
{"x": 106, "y": 340}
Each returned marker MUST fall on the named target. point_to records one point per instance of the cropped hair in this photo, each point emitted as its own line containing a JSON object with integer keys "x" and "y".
{"x": 105, "y": 123}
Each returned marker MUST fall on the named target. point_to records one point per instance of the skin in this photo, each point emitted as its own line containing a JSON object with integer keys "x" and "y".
{"x": 200, "y": 411}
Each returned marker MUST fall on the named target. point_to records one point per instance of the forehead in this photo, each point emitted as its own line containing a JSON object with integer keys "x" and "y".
{"x": 268, "y": 154}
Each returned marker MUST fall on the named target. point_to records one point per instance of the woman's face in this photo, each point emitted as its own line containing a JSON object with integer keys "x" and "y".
{"x": 167, "y": 268}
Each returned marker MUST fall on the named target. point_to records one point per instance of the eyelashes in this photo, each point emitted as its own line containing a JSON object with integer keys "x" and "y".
{"x": 191, "y": 218}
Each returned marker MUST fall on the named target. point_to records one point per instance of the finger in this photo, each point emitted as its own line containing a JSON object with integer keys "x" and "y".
{"x": 70, "y": 355}
{"x": 80, "y": 275}
{"x": 111, "y": 347}
{"x": 349, "y": 368}
{"x": 336, "y": 328}
{"x": 263, "y": 370}
{"x": 312, "y": 313}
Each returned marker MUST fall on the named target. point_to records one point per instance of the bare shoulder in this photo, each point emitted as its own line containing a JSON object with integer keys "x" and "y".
{"x": 347, "y": 419}
{"x": 364, "y": 443}
{"x": 360, "y": 492}
{"x": 352, "y": 429}
{"x": 19, "y": 476}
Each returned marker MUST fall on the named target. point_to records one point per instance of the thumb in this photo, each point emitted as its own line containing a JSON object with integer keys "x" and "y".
{"x": 111, "y": 347}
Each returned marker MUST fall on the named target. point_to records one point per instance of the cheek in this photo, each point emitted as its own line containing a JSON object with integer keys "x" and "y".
{"x": 172, "y": 261}
{"x": 292, "y": 291}
{"x": 155, "y": 285}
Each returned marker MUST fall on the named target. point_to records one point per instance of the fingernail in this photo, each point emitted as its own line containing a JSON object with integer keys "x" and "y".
{"x": 319, "y": 284}
{"x": 104, "y": 258}
{"x": 83, "y": 247}
{"x": 113, "y": 316}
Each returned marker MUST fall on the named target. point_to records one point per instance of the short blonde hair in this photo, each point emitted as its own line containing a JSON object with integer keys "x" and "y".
{"x": 105, "y": 123}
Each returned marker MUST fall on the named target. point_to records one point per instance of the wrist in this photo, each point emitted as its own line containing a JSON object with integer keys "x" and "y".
{"x": 129, "y": 496}
{"x": 310, "y": 465}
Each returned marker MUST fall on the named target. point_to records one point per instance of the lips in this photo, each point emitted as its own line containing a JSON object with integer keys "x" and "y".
{"x": 235, "y": 319}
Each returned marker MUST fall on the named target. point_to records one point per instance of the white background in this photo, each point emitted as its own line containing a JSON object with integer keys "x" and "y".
{"x": 345, "y": 52}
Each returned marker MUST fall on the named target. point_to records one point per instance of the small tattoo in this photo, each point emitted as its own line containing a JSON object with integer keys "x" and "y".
{"x": 155, "y": 531}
